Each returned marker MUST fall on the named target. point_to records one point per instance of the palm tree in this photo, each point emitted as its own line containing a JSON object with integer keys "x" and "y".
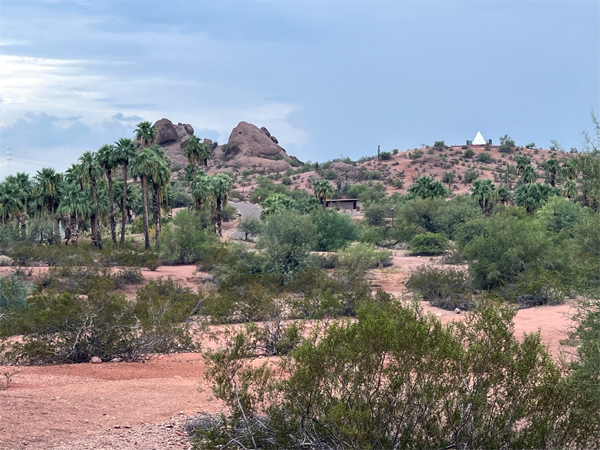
{"x": 10, "y": 205}
{"x": 193, "y": 151}
{"x": 92, "y": 171}
{"x": 426, "y": 187}
{"x": 552, "y": 166}
{"x": 222, "y": 188}
{"x": 528, "y": 174}
{"x": 323, "y": 190}
{"x": 522, "y": 162}
{"x": 202, "y": 191}
{"x": 504, "y": 195}
{"x": 529, "y": 196}
{"x": 448, "y": 177}
{"x": 144, "y": 166}
{"x": 570, "y": 189}
{"x": 204, "y": 154}
{"x": 124, "y": 152}
{"x": 570, "y": 169}
{"x": 483, "y": 191}
{"x": 160, "y": 181}
{"x": 107, "y": 158}
{"x": 75, "y": 203}
{"x": 46, "y": 188}
{"x": 276, "y": 203}
{"x": 146, "y": 134}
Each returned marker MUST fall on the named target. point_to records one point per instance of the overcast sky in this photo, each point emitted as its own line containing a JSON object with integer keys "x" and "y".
{"x": 326, "y": 78}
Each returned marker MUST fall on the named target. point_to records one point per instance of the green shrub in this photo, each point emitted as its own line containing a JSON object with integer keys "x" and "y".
{"x": 397, "y": 378}
{"x": 507, "y": 145}
{"x": 445, "y": 288}
{"x": 469, "y": 153}
{"x": 13, "y": 295}
{"x": 286, "y": 180}
{"x": 470, "y": 175}
{"x": 64, "y": 327}
{"x": 415, "y": 154}
{"x": 485, "y": 158}
{"x": 429, "y": 244}
{"x": 185, "y": 241}
{"x": 385, "y": 156}
{"x": 361, "y": 257}
{"x": 330, "y": 174}
{"x": 334, "y": 229}
{"x": 376, "y": 215}
{"x": 398, "y": 183}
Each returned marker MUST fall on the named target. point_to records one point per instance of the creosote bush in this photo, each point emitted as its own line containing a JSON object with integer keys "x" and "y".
{"x": 446, "y": 288}
{"x": 397, "y": 378}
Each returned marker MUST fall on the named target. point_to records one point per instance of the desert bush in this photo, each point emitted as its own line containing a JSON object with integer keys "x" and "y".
{"x": 485, "y": 158}
{"x": 361, "y": 257}
{"x": 5, "y": 261}
{"x": 334, "y": 230}
{"x": 330, "y": 174}
{"x": 398, "y": 183}
{"x": 429, "y": 244}
{"x": 507, "y": 145}
{"x": 469, "y": 176}
{"x": 396, "y": 378}
{"x": 65, "y": 327}
{"x": 286, "y": 181}
{"x": 446, "y": 288}
{"x": 185, "y": 241}
{"x": 468, "y": 153}
{"x": 13, "y": 295}
{"x": 375, "y": 215}
{"x": 250, "y": 227}
{"x": 385, "y": 156}
{"x": 415, "y": 154}
{"x": 288, "y": 238}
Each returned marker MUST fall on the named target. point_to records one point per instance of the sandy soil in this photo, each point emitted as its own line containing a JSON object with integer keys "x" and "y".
{"x": 144, "y": 405}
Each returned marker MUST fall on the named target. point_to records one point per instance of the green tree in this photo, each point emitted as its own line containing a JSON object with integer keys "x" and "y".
{"x": 108, "y": 160}
{"x": 125, "y": 152}
{"x": 222, "y": 188}
{"x": 334, "y": 229}
{"x": 46, "y": 189}
{"x": 507, "y": 145}
{"x": 529, "y": 196}
{"x": 146, "y": 134}
{"x": 203, "y": 191}
{"x": 324, "y": 191}
{"x": 144, "y": 166}
{"x": 277, "y": 203}
{"x": 426, "y": 187}
{"x": 529, "y": 174}
{"x": 250, "y": 227}
{"x": 552, "y": 166}
{"x": 194, "y": 150}
{"x": 92, "y": 172}
{"x": 484, "y": 193}
{"x": 522, "y": 162}
{"x": 429, "y": 244}
{"x": 160, "y": 180}
{"x": 570, "y": 190}
{"x": 448, "y": 177}
{"x": 74, "y": 202}
{"x": 288, "y": 239}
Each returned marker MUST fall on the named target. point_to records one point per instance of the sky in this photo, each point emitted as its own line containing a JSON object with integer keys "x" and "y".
{"x": 329, "y": 79}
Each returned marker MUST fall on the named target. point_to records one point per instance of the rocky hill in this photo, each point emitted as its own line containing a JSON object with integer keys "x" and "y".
{"x": 248, "y": 147}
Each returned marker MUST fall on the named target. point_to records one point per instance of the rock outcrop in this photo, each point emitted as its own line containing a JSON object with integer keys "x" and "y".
{"x": 347, "y": 170}
{"x": 249, "y": 140}
{"x": 172, "y": 139}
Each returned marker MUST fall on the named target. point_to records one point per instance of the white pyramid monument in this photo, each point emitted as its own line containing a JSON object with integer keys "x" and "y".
{"x": 479, "y": 140}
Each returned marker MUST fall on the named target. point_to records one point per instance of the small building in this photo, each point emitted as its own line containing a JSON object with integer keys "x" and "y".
{"x": 345, "y": 204}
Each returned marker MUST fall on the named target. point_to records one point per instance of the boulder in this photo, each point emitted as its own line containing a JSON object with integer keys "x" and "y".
{"x": 274, "y": 139}
{"x": 166, "y": 131}
{"x": 346, "y": 170}
{"x": 95, "y": 360}
{"x": 248, "y": 140}
{"x": 265, "y": 131}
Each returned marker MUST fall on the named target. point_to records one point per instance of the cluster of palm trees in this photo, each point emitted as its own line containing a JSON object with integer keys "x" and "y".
{"x": 85, "y": 192}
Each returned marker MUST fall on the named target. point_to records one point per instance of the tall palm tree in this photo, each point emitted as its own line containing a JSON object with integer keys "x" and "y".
{"x": 570, "y": 169}
{"x": 504, "y": 195}
{"x": 205, "y": 153}
{"x": 160, "y": 181}
{"x": 75, "y": 203}
{"x": 92, "y": 171}
{"x": 125, "y": 151}
{"x": 522, "y": 162}
{"x": 10, "y": 205}
{"x": 143, "y": 166}
{"x": 570, "y": 190}
{"x": 108, "y": 160}
{"x": 552, "y": 166}
{"x": 46, "y": 188}
{"x": 222, "y": 188}
{"x": 193, "y": 151}
{"x": 484, "y": 192}
{"x": 146, "y": 134}
{"x": 324, "y": 191}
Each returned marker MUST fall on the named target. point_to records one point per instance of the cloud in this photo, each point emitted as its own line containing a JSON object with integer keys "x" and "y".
{"x": 120, "y": 116}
